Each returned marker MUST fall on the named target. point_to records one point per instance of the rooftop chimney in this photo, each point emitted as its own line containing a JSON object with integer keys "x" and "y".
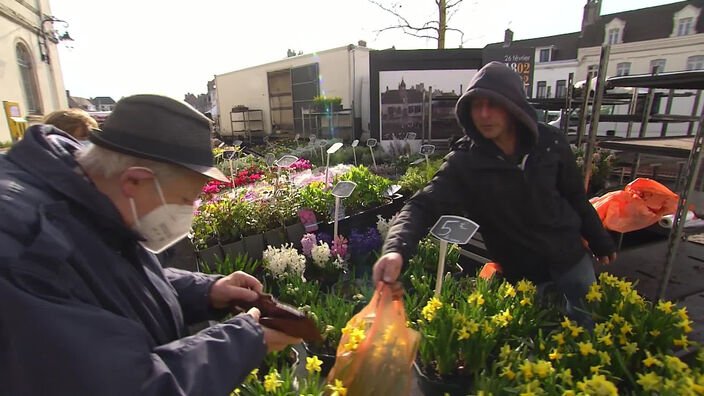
{"x": 362, "y": 43}
{"x": 508, "y": 37}
{"x": 592, "y": 11}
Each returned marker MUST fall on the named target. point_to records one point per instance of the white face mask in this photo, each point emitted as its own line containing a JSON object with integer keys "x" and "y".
{"x": 163, "y": 226}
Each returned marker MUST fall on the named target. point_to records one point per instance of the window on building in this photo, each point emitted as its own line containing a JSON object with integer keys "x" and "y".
{"x": 560, "y": 88}
{"x": 28, "y": 79}
{"x": 614, "y": 36}
{"x": 542, "y": 89}
{"x": 684, "y": 26}
{"x": 695, "y": 62}
{"x": 658, "y": 65}
{"x": 545, "y": 55}
{"x": 623, "y": 69}
{"x": 594, "y": 69}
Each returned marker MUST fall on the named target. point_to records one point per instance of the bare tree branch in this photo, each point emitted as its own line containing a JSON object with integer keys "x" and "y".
{"x": 448, "y": 6}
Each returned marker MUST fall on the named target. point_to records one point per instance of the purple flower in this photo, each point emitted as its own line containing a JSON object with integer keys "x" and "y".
{"x": 361, "y": 244}
{"x": 308, "y": 242}
{"x": 325, "y": 238}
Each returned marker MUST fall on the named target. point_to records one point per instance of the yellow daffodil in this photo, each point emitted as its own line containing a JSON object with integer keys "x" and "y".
{"x": 508, "y": 373}
{"x": 568, "y": 392}
{"x": 630, "y": 348}
{"x": 594, "y": 293}
{"x": 665, "y": 306}
{"x": 477, "y": 298}
{"x": 463, "y": 334}
{"x": 559, "y": 338}
{"x": 543, "y": 368}
{"x": 675, "y": 364}
{"x": 598, "y": 385}
{"x": 272, "y": 381}
{"x": 527, "y": 369}
{"x": 510, "y": 291}
{"x": 505, "y": 352}
{"x": 566, "y": 376}
{"x": 650, "y": 360}
{"x": 605, "y": 339}
{"x": 655, "y": 333}
{"x": 555, "y": 355}
{"x": 313, "y": 364}
{"x": 626, "y": 328}
{"x": 682, "y": 341}
{"x": 576, "y": 331}
{"x": 649, "y": 382}
{"x": 525, "y": 286}
{"x": 586, "y": 348}
{"x": 526, "y": 301}
{"x": 567, "y": 324}
{"x": 337, "y": 389}
{"x": 682, "y": 313}
{"x": 605, "y": 358}
{"x": 616, "y": 318}
{"x": 595, "y": 369}
{"x": 684, "y": 325}
{"x": 428, "y": 311}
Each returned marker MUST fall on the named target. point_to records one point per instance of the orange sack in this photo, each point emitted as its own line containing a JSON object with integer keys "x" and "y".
{"x": 639, "y": 205}
{"x": 377, "y": 350}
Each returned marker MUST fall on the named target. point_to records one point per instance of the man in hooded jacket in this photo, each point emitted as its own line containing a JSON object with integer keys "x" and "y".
{"x": 518, "y": 180}
{"x": 86, "y": 307}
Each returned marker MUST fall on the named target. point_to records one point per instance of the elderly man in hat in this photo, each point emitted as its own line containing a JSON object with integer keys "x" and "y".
{"x": 86, "y": 307}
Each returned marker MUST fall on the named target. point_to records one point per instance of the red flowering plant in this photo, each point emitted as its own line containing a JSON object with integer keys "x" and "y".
{"x": 214, "y": 187}
{"x": 248, "y": 176}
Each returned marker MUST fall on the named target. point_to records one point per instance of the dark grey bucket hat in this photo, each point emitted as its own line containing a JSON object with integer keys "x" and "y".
{"x": 162, "y": 129}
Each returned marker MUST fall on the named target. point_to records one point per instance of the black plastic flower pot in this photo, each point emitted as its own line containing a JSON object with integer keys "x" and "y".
{"x": 210, "y": 256}
{"x": 327, "y": 359}
{"x": 431, "y": 387}
{"x": 254, "y": 245}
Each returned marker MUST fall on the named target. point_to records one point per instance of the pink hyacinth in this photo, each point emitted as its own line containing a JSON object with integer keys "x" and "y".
{"x": 308, "y": 242}
{"x": 339, "y": 246}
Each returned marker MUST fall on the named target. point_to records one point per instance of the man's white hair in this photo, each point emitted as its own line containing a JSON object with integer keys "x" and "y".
{"x": 107, "y": 163}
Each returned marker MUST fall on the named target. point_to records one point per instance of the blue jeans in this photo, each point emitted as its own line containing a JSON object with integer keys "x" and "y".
{"x": 574, "y": 284}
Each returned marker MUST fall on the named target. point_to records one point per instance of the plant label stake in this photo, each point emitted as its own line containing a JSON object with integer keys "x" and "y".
{"x": 265, "y": 139}
{"x": 418, "y": 161}
{"x": 322, "y": 144}
{"x": 229, "y": 155}
{"x": 331, "y": 150}
{"x": 270, "y": 160}
{"x": 354, "y": 150}
{"x": 295, "y": 139}
{"x": 342, "y": 189}
{"x": 237, "y": 144}
{"x": 393, "y": 189}
{"x": 371, "y": 143}
{"x": 284, "y": 162}
{"x": 451, "y": 229}
{"x": 410, "y": 136}
{"x": 427, "y": 150}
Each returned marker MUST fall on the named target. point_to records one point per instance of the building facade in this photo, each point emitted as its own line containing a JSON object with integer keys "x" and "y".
{"x": 31, "y": 84}
{"x": 284, "y": 89}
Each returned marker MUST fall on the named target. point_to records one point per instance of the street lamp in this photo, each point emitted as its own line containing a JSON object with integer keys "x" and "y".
{"x": 51, "y": 35}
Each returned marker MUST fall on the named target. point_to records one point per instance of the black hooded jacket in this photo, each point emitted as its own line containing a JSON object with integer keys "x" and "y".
{"x": 532, "y": 209}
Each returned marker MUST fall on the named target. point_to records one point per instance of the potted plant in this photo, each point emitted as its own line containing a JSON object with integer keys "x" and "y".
{"x": 331, "y": 314}
{"x": 325, "y": 263}
{"x": 252, "y": 229}
{"x": 204, "y": 234}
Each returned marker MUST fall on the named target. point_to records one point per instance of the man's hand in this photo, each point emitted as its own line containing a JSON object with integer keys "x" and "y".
{"x": 275, "y": 340}
{"x": 606, "y": 260}
{"x": 237, "y": 286}
{"x": 387, "y": 268}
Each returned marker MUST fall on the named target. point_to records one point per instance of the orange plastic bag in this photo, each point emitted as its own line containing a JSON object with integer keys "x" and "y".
{"x": 640, "y": 204}
{"x": 489, "y": 270}
{"x": 377, "y": 350}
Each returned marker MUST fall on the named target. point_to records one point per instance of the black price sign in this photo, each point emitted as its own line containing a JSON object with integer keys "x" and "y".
{"x": 312, "y": 138}
{"x": 237, "y": 143}
{"x": 410, "y": 135}
{"x": 454, "y": 229}
{"x": 286, "y": 161}
{"x": 343, "y": 189}
{"x": 371, "y": 142}
{"x": 427, "y": 149}
{"x": 229, "y": 154}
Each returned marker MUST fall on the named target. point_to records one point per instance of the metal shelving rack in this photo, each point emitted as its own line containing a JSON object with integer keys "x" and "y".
{"x": 245, "y": 121}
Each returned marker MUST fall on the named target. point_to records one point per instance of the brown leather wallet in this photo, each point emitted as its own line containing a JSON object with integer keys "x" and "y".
{"x": 282, "y": 317}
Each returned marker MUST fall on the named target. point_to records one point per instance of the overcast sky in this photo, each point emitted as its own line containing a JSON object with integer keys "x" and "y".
{"x": 173, "y": 47}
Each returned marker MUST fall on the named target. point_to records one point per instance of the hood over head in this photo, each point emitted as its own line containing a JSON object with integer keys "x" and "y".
{"x": 499, "y": 83}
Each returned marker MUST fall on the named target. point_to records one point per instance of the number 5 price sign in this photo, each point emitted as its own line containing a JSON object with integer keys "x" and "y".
{"x": 451, "y": 229}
